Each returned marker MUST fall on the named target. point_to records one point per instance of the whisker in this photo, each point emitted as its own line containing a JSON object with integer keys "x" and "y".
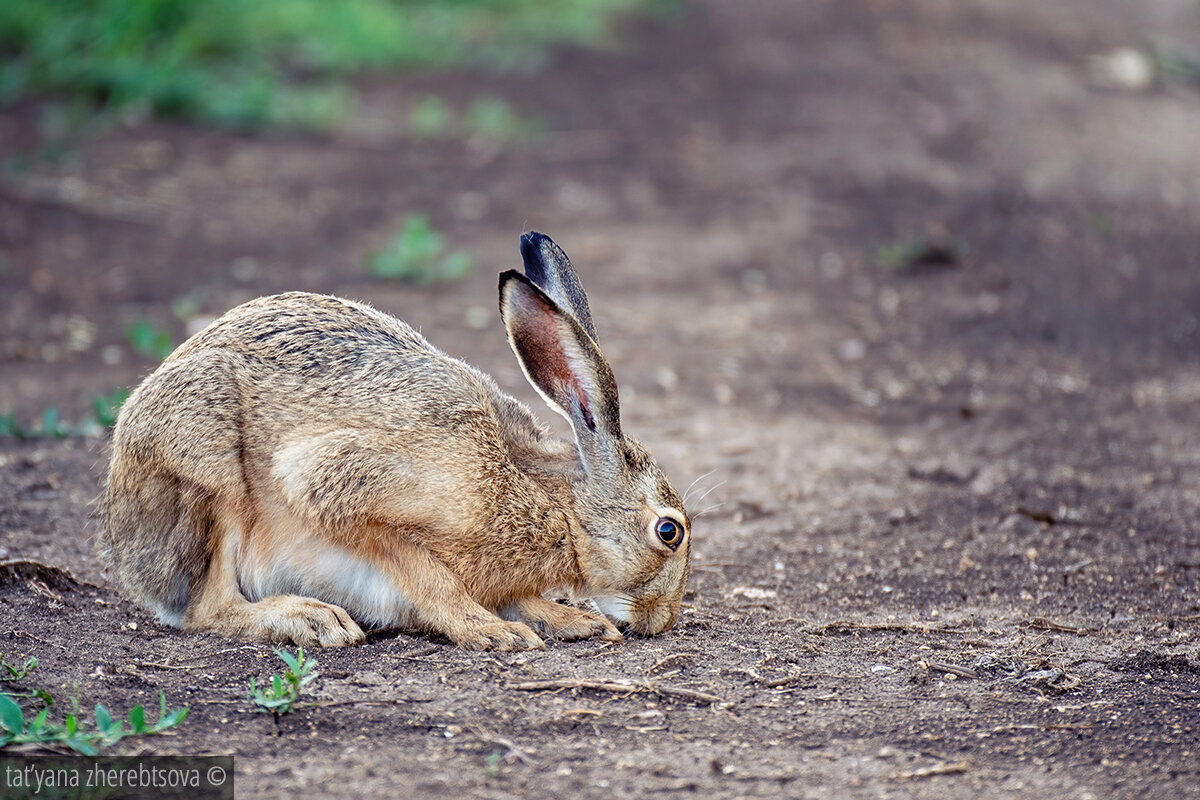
{"x": 692, "y": 485}
{"x": 710, "y": 490}
{"x": 620, "y": 599}
{"x": 708, "y": 510}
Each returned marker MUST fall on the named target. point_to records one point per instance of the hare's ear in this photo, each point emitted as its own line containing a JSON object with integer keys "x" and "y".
{"x": 563, "y": 363}
{"x": 548, "y": 267}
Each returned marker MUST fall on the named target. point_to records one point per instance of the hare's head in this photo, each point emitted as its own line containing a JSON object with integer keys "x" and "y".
{"x": 635, "y": 550}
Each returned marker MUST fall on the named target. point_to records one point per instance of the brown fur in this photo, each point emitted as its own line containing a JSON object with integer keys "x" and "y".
{"x": 319, "y": 449}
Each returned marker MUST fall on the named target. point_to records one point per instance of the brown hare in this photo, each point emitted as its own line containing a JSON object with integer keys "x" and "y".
{"x": 306, "y": 465}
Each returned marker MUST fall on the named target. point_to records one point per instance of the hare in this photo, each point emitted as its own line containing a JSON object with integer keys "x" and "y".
{"x": 307, "y": 465}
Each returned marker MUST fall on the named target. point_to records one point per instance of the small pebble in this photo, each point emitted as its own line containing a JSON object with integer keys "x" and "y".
{"x": 1124, "y": 68}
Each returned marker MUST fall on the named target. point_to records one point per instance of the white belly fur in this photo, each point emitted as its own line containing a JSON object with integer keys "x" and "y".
{"x": 298, "y": 562}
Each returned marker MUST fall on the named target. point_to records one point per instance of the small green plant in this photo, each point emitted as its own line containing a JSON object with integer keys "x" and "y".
{"x": 486, "y": 118}
{"x": 1176, "y": 65}
{"x": 430, "y": 117}
{"x": 16, "y": 729}
{"x": 49, "y": 426}
{"x": 148, "y": 340}
{"x": 10, "y": 673}
{"x": 104, "y": 410}
{"x": 107, "y": 406}
{"x": 282, "y": 691}
{"x": 492, "y": 118}
{"x": 416, "y": 254}
{"x": 1102, "y": 223}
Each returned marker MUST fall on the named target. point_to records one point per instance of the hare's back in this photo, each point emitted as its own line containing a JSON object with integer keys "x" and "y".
{"x": 315, "y": 358}
{"x": 308, "y": 331}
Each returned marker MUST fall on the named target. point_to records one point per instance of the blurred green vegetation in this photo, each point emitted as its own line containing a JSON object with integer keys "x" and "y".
{"x": 149, "y": 341}
{"x": 267, "y": 62}
{"x": 418, "y": 254}
{"x": 486, "y": 118}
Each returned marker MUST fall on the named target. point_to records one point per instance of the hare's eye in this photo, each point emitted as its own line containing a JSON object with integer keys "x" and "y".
{"x": 669, "y": 531}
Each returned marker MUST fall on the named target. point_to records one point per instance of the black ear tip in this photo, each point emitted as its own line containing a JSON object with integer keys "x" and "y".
{"x": 534, "y": 249}
{"x": 532, "y": 239}
{"x": 531, "y": 248}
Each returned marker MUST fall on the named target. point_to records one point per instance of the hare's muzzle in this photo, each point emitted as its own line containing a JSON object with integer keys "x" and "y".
{"x": 644, "y": 616}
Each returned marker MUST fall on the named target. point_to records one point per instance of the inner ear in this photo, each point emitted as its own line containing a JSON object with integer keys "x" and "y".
{"x": 540, "y": 340}
{"x": 560, "y": 360}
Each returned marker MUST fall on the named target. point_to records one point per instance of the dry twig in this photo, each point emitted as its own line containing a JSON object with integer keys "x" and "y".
{"x": 616, "y": 687}
{"x": 777, "y": 683}
{"x": 393, "y": 701}
{"x": 164, "y": 665}
{"x": 903, "y": 627}
{"x": 1043, "y": 624}
{"x": 944, "y": 768}
{"x": 962, "y": 672}
{"x": 417, "y": 655}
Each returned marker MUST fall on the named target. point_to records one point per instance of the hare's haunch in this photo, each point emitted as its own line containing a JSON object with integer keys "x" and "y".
{"x": 306, "y": 465}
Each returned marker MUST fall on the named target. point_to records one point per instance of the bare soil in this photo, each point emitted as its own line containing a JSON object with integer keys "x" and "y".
{"x": 952, "y": 551}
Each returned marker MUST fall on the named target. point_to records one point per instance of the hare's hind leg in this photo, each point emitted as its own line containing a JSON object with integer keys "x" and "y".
{"x": 218, "y": 605}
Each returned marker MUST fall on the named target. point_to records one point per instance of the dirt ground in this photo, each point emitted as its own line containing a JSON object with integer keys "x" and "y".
{"x": 952, "y": 549}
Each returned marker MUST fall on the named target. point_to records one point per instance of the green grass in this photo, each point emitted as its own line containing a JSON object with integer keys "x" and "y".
{"x": 430, "y": 118}
{"x": 11, "y": 673}
{"x": 24, "y": 726}
{"x": 106, "y": 407}
{"x": 1176, "y": 65}
{"x": 281, "y": 691}
{"x": 418, "y": 254}
{"x": 149, "y": 340}
{"x": 73, "y": 732}
{"x": 485, "y": 117}
{"x": 266, "y": 62}
{"x": 492, "y": 118}
{"x": 48, "y": 426}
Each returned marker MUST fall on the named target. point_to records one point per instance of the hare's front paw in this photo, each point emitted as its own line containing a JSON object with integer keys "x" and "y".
{"x": 495, "y": 635}
{"x": 565, "y": 622}
{"x": 584, "y": 626}
{"x": 306, "y": 622}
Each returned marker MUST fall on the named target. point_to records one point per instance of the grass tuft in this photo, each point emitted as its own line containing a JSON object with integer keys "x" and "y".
{"x": 267, "y": 62}
{"x": 281, "y": 691}
{"x": 21, "y": 726}
{"x": 149, "y": 340}
{"x": 418, "y": 254}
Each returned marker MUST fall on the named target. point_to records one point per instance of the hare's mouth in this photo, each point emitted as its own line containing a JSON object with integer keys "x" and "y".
{"x": 630, "y": 614}
{"x": 643, "y": 616}
{"x": 617, "y": 607}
